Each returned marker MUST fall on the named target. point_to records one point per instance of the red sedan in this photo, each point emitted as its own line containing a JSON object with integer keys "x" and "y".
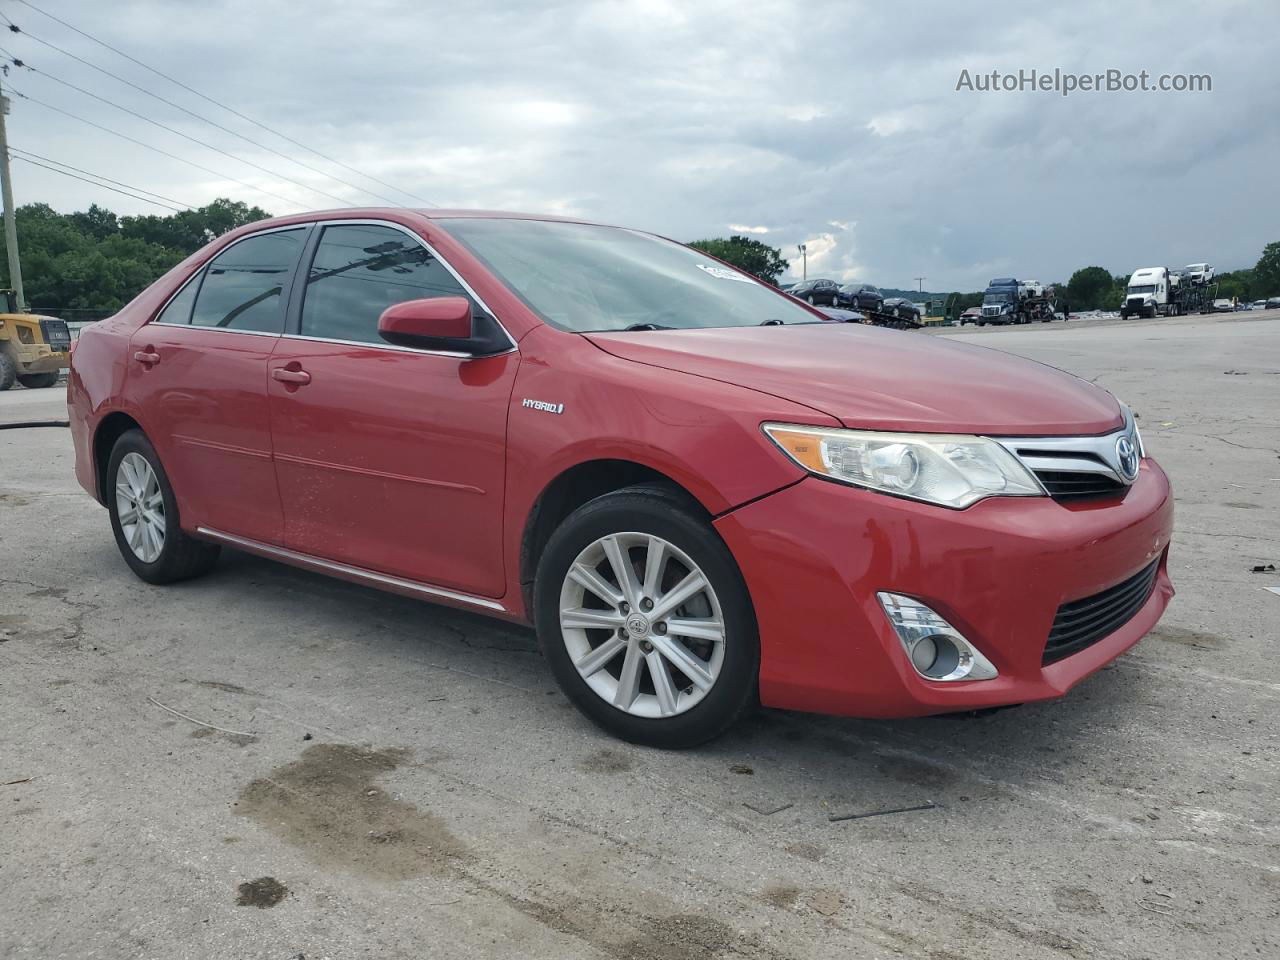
{"x": 699, "y": 492}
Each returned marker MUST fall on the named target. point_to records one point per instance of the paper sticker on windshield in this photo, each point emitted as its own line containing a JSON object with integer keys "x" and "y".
{"x": 723, "y": 273}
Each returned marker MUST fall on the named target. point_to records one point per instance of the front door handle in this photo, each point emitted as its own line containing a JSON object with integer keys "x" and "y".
{"x": 148, "y": 356}
{"x": 285, "y": 375}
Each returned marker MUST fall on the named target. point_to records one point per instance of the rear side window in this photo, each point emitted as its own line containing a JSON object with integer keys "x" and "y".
{"x": 242, "y": 286}
{"x": 361, "y": 269}
{"x": 178, "y": 310}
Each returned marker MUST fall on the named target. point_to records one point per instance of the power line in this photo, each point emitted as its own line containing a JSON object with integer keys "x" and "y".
{"x": 177, "y": 106}
{"x": 89, "y": 173}
{"x": 102, "y": 185}
{"x": 185, "y": 136}
{"x": 218, "y": 103}
{"x": 163, "y": 153}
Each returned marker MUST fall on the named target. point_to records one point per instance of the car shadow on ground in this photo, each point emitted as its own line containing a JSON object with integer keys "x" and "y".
{"x": 791, "y": 757}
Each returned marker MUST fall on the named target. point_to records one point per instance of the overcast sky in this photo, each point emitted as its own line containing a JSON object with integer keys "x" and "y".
{"x": 834, "y": 124}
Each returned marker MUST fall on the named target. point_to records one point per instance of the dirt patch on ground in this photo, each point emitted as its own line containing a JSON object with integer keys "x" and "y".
{"x": 1189, "y": 638}
{"x": 1078, "y": 900}
{"x": 806, "y": 851}
{"x": 606, "y": 761}
{"x": 327, "y": 804}
{"x": 917, "y": 773}
{"x": 224, "y": 687}
{"x": 261, "y": 893}
{"x": 239, "y": 739}
{"x": 1241, "y": 505}
{"x": 685, "y": 937}
{"x": 781, "y": 895}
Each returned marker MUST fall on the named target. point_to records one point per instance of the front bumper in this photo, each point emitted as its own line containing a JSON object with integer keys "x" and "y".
{"x": 815, "y": 554}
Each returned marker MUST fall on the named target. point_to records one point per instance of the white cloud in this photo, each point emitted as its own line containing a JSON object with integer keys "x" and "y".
{"x": 740, "y": 228}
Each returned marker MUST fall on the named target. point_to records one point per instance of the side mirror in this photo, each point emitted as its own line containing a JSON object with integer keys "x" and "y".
{"x": 436, "y": 323}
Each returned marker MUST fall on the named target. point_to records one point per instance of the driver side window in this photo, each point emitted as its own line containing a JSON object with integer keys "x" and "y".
{"x": 361, "y": 269}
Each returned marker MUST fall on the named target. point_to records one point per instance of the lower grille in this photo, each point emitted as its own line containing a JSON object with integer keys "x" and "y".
{"x": 1082, "y": 623}
{"x": 1069, "y": 485}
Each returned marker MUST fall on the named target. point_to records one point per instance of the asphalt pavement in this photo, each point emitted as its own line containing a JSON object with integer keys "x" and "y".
{"x": 267, "y": 763}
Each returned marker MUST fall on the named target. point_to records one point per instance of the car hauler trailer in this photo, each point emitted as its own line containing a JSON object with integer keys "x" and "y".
{"x": 1008, "y": 300}
{"x": 1161, "y": 292}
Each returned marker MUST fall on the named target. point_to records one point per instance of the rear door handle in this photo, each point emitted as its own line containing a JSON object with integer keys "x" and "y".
{"x": 147, "y": 356}
{"x": 285, "y": 375}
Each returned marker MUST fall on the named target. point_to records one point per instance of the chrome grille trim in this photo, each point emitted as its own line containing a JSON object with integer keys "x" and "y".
{"x": 1091, "y": 456}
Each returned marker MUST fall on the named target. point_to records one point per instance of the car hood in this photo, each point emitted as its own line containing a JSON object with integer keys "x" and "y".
{"x": 882, "y": 379}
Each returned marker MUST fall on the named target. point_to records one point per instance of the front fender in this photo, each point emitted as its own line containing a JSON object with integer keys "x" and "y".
{"x": 702, "y": 434}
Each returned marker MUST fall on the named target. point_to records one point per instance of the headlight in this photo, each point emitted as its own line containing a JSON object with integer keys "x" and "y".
{"x": 952, "y": 471}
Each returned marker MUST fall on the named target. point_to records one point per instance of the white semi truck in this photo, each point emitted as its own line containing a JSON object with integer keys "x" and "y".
{"x": 1161, "y": 292}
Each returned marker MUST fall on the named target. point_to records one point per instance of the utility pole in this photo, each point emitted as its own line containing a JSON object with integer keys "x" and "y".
{"x": 804, "y": 253}
{"x": 10, "y": 223}
{"x": 919, "y": 283}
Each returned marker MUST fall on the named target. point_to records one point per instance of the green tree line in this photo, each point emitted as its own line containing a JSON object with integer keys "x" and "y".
{"x": 97, "y": 261}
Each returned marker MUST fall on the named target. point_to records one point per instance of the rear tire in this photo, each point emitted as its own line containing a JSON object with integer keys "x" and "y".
{"x": 144, "y": 516}
{"x": 38, "y": 381}
{"x": 8, "y": 370}
{"x": 693, "y": 704}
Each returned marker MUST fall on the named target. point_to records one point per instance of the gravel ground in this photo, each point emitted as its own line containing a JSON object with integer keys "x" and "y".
{"x": 266, "y": 763}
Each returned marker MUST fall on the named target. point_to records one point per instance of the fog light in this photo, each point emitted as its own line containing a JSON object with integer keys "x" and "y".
{"x": 936, "y": 649}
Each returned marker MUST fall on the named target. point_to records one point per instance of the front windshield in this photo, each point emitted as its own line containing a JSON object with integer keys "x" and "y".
{"x": 1142, "y": 288}
{"x": 998, "y": 298}
{"x": 585, "y": 278}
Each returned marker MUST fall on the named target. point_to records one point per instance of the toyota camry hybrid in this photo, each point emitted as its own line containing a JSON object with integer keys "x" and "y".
{"x": 700, "y": 492}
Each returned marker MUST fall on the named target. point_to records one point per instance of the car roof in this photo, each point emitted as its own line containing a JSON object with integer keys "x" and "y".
{"x": 392, "y": 213}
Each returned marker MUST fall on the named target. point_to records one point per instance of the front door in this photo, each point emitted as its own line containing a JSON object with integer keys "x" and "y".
{"x": 388, "y": 458}
{"x": 198, "y": 374}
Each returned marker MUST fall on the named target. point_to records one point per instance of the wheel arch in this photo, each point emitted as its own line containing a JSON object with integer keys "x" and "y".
{"x": 108, "y": 431}
{"x": 570, "y": 489}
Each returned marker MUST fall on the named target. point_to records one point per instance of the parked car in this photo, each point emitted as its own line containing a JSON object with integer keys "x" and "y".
{"x": 1273, "y": 303}
{"x": 816, "y": 292}
{"x": 1223, "y": 305}
{"x": 972, "y": 315}
{"x": 902, "y": 308}
{"x": 860, "y": 296}
{"x": 695, "y": 490}
{"x": 1258, "y": 305}
{"x": 842, "y": 315}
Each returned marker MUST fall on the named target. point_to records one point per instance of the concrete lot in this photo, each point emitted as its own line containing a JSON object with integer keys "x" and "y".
{"x": 404, "y": 780}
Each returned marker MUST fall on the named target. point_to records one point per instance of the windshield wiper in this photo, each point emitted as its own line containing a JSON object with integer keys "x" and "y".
{"x": 645, "y": 326}
{"x": 772, "y": 322}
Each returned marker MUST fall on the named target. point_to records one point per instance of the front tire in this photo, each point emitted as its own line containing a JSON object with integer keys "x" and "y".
{"x": 645, "y": 620}
{"x": 8, "y": 370}
{"x": 144, "y": 516}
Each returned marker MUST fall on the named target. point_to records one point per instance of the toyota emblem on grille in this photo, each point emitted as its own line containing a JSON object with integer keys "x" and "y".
{"x": 1127, "y": 457}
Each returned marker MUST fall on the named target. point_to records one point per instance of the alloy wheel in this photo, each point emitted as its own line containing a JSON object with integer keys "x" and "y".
{"x": 140, "y": 507}
{"x": 642, "y": 625}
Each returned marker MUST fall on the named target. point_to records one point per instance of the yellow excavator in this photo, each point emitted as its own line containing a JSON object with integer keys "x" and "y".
{"x": 33, "y": 349}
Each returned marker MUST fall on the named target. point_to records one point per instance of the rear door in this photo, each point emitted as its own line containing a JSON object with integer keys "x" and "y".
{"x": 198, "y": 378}
{"x": 389, "y": 459}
